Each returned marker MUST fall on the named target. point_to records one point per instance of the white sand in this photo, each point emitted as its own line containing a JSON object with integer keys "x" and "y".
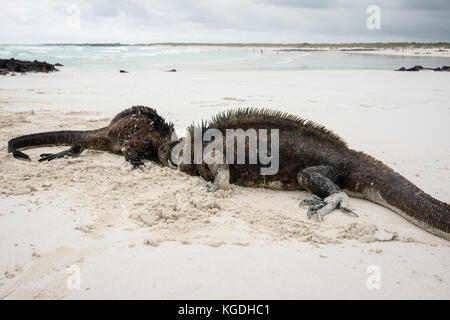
{"x": 412, "y": 52}
{"x": 157, "y": 234}
{"x": 394, "y": 51}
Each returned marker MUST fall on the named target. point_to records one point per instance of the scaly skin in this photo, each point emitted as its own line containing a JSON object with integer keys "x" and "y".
{"x": 315, "y": 159}
{"x": 138, "y": 133}
{"x": 310, "y": 158}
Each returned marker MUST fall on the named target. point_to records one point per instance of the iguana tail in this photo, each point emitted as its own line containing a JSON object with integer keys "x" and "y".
{"x": 375, "y": 181}
{"x": 43, "y": 139}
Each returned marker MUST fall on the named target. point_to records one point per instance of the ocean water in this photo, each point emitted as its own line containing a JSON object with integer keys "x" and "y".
{"x": 86, "y": 57}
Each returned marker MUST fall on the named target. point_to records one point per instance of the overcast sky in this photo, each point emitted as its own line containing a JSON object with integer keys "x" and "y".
{"x": 278, "y": 21}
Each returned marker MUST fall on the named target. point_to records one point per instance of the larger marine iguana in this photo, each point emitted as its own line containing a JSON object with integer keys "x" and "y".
{"x": 138, "y": 133}
{"x": 310, "y": 158}
{"x": 315, "y": 159}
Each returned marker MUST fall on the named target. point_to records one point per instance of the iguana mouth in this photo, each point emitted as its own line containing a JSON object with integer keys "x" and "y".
{"x": 168, "y": 157}
{"x": 165, "y": 154}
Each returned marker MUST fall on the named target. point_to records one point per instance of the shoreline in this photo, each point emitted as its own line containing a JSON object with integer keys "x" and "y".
{"x": 233, "y": 59}
{"x": 293, "y": 45}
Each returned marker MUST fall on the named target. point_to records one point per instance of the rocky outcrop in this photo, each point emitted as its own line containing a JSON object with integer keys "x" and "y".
{"x": 418, "y": 68}
{"x": 20, "y": 66}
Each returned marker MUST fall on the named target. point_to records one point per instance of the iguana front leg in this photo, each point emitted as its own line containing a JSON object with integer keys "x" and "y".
{"x": 132, "y": 150}
{"x": 327, "y": 196}
{"x": 73, "y": 151}
{"x": 215, "y": 168}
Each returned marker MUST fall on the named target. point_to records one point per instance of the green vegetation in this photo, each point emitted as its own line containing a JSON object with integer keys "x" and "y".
{"x": 377, "y": 45}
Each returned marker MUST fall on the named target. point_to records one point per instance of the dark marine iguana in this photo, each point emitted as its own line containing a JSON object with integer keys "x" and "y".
{"x": 315, "y": 159}
{"x": 310, "y": 158}
{"x": 138, "y": 133}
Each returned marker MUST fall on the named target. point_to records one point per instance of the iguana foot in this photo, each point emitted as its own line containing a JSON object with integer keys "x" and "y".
{"x": 311, "y": 201}
{"x": 138, "y": 164}
{"x": 314, "y": 203}
{"x": 52, "y": 156}
{"x": 210, "y": 187}
{"x": 321, "y": 207}
{"x": 221, "y": 181}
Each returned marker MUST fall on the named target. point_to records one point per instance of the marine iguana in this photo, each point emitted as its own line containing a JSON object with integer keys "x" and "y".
{"x": 315, "y": 159}
{"x": 138, "y": 133}
{"x": 311, "y": 158}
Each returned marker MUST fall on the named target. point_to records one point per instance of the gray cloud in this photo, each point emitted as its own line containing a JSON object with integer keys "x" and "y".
{"x": 302, "y": 3}
{"x": 132, "y": 21}
{"x": 426, "y": 5}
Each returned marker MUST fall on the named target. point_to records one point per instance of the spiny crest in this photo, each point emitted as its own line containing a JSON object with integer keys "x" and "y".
{"x": 282, "y": 119}
{"x": 203, "y": 125}
{"x": 146, "y": 112}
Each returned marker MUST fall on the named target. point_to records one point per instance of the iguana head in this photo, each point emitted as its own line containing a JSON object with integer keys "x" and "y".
{"x": 166, "y": 148}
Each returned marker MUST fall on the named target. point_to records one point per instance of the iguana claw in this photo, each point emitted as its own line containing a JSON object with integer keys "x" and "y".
{"x": 321, "y": 207}
{"x": 211, "y": 187}
{"x": 137, "y": 165}
{"x": 311, "y": 201}
{"x": 53, "y": 156}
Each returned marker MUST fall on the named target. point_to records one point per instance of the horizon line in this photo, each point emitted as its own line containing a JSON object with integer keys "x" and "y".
{"x": 247, "y": 44}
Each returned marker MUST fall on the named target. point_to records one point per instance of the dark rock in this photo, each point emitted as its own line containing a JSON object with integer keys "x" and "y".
{"x": 415, "y": 68}
{"x": 418, "y": 68}
{"x": 59, "y": 64}
{"x": 11, "y": 66}
{"x": 171, "y": 70}
{"x": 443, "y": 68}
{"x": 21, "y": 66}
{"x": 123, "y": 71}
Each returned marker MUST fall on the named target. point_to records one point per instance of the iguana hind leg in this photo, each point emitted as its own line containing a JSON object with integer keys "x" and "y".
{"x": 327, "y": 196}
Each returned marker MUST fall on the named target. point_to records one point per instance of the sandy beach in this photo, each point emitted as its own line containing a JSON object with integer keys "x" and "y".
{"x": 156, "y": 234}
{"x": 401, "y": 51}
